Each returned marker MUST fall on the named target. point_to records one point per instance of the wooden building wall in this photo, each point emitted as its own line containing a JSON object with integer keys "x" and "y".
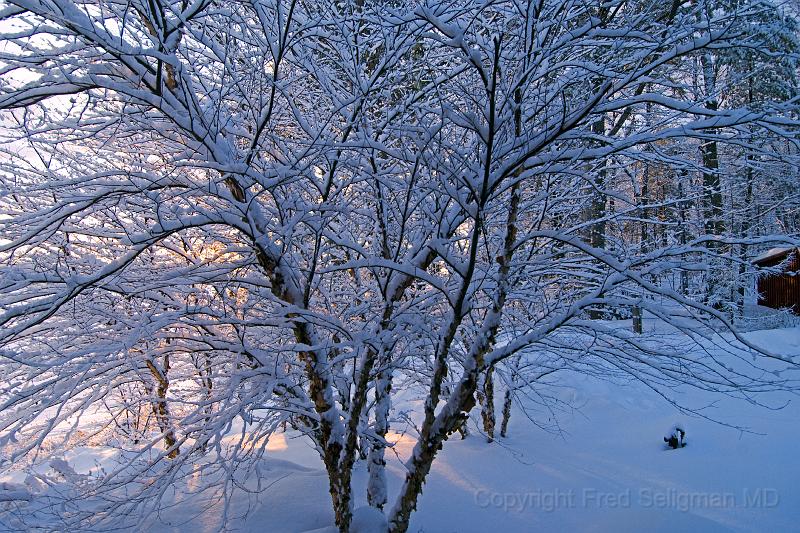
{"x": 782, "y": 290}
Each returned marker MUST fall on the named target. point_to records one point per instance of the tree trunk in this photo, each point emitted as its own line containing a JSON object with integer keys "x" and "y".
{"x": 160, "y": 408}
{"x": 637, "y": 319}
{"x": 597, "y": 211}
{"x": 419, "y": 465}
{"x": 376, "y": 465}
{"x": 486, "y": 398}
{"x": 437, "y": 428}
{"x": 506, "y": 413}
{"x": 744, "y": 230}
{"x": 712, "y": 191}
{"x": 682, "y": 234}
{"x": 342, "y": 504}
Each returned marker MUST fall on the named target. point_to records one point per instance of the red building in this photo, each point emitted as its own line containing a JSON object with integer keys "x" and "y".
{"x": 780, "y": 290}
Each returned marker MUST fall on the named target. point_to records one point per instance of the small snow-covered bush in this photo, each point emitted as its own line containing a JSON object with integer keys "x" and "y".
{"x": 676, "y": 438}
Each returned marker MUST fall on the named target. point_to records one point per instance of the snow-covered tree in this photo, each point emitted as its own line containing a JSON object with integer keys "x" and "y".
{"x": 272, "y": 213}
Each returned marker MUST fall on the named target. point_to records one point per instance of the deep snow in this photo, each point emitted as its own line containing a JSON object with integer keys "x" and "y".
{"x": 607, "y": 469}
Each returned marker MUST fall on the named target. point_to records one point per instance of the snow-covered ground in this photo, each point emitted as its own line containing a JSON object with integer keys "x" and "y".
{"x": 606, "y": 470}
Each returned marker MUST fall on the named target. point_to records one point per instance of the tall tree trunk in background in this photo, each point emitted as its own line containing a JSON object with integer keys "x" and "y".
{"x": 744, "y": 229}
{"x": 637, "y": 320}
{"x": 597, "y": 233}
{"x": 713, "y": 223}
{"x": 597, "y": 209}
{"x": 683, "y": 232}
{"x": 741, "y": 288}
{"x": 642, "y": 200}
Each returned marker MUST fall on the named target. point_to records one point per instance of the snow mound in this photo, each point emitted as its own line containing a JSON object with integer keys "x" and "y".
{"x": 368, "y": 520}
{"x": 14, "y": 492}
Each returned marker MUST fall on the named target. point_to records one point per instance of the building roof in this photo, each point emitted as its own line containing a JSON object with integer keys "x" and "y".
{"x": 773, "y": 255}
